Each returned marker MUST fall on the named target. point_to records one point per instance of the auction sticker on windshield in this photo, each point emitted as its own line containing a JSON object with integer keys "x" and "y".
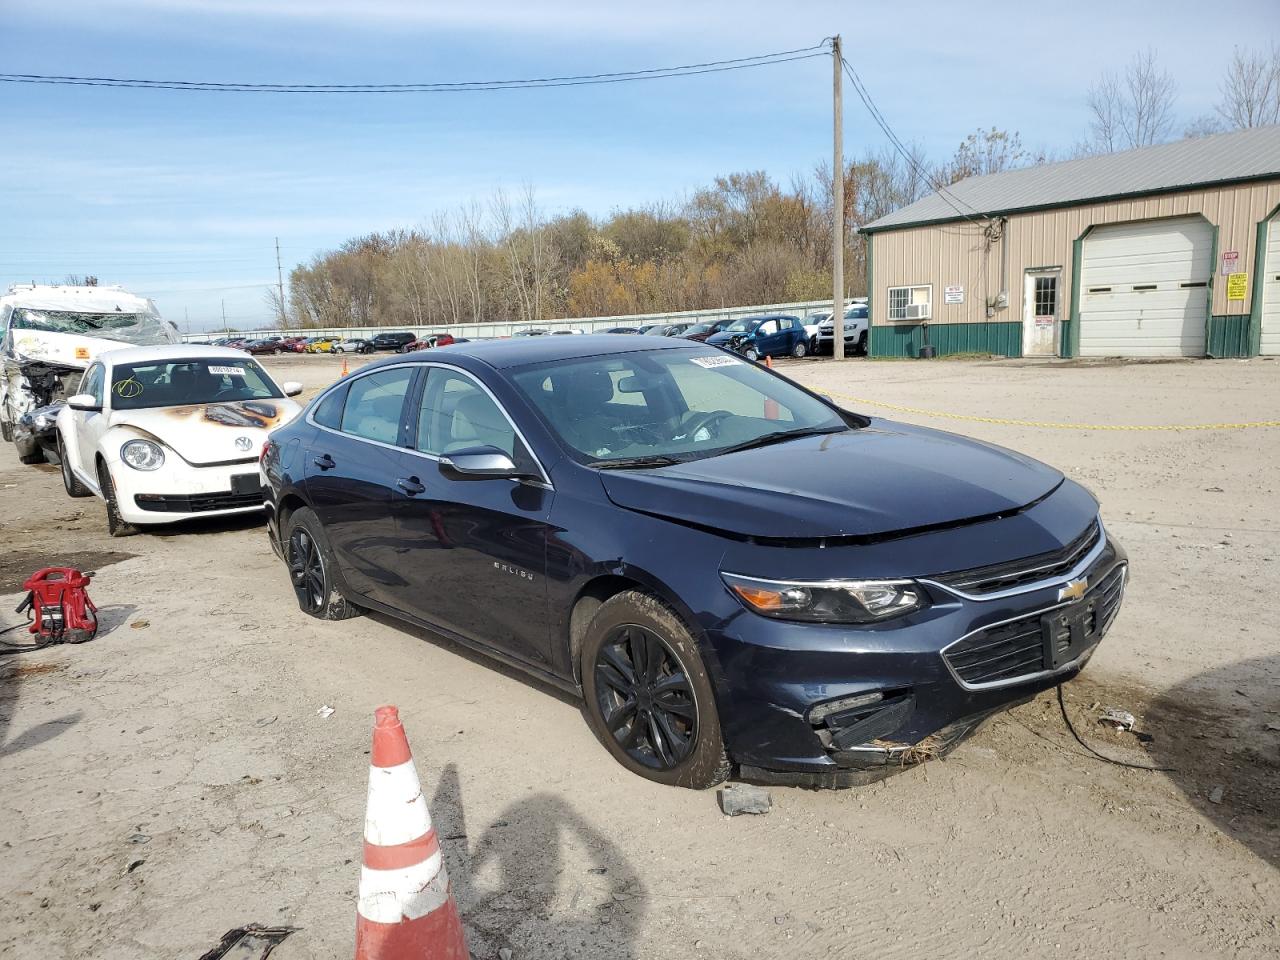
{"x": 229, "y": 371}
{"x": 710, "y": 362}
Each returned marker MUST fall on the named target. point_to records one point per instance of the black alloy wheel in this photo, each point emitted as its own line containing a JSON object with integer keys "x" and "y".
{"x": 645, "y": 697}
{"x": 306, "y": 570}
{"x": 312, "y": 567}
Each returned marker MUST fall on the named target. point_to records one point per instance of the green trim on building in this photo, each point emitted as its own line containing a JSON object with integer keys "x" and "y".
{"x": 1208, "y": 292}
{"x": 1229, "y": 336}
{"x": 1259, "y": 278}
{"x": 870, "y": 289}
{"x": 905, "y": 339}
{"x": 1070, "y": 339}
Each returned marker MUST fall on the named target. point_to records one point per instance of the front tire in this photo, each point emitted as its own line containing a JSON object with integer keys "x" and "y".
{"x": 311, "y": 565}
{"x": 70, "y": 482}
{"x": 648, "y": 697}
{"x": 862, "y": 343}
{"x": 116, "y": 525}
{"x": 752, "y": 354}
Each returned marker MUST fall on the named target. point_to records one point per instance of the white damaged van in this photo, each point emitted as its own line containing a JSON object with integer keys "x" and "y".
{"x": 51, "y": 333}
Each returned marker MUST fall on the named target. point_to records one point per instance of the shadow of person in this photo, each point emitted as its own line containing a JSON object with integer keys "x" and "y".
{"x": 1219, "y": 735}
{"x": 540, "y": 880}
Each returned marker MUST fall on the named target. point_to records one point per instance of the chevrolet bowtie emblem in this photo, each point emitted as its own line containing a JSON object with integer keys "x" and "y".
{"x": 1074, "y": 589}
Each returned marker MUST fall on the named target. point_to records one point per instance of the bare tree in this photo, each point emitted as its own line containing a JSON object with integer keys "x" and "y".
{"x": 1205, "y": 125}
{"x": 984, "y": 152}
{"x": 1135, "y": 110}
{"x": 1251, "y": 89}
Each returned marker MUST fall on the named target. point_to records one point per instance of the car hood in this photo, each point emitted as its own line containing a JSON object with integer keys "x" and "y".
{"x": 207, "y": 433}
{"x": 882, "y": 479}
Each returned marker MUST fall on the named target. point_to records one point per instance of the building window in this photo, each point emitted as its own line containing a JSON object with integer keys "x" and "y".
{"x": 911, "y": 303}
{"x": 1046, "y": 297}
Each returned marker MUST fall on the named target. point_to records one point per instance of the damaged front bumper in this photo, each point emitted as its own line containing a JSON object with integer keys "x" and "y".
{"x": 828, "y": 705}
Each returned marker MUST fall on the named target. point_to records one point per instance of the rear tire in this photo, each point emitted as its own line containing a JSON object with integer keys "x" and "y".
{"x": 668, "y": 729}
{"x": 116, "y": 526}
{"x": 311, "y": 564}
{"x": 70, "y": 482}
{"x": 6, "y": 431}
{"x": 799, "y": 350}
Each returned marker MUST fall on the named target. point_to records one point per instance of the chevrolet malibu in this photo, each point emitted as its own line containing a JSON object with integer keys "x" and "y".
{"x": 162, "y": 434}
{"x": 729, "y": 570}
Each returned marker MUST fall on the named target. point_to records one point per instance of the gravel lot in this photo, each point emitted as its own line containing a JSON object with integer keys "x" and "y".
{"x": 172, "y": 779}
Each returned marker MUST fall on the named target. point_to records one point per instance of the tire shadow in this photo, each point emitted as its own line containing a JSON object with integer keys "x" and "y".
{"x": 1212, "y": 731}
{"x": 539, "y": 905}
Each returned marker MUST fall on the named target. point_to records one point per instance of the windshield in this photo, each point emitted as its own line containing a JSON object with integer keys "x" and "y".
{"x": 141, "y": 329}
{"x": 653, "y": 407}
{"x": 179, "y": 383}
{"x": 742, "y": 326}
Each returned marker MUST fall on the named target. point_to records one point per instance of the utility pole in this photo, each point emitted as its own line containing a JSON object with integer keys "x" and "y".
{"x": 280, "y": 284}
{"x": 837, "y": 201}
{"x": 225, "y": 328}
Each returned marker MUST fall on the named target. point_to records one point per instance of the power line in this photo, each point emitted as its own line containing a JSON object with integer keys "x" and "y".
{"x": 470, "y": 86}
{"x": 947, "y": 196}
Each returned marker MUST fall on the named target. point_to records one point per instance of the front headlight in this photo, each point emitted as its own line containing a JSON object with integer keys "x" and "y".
{"x": 142, "y": 455}
{"x": 827, "y": 601}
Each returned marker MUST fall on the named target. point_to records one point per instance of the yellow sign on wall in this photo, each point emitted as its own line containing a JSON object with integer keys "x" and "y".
{"x": 1237, "y": 284}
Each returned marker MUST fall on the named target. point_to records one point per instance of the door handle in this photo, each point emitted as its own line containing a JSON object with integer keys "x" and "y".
{"x": 412, "y": 486}
{"x": 324, "y": 462}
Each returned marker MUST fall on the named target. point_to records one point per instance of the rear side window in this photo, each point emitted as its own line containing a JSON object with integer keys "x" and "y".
{"x": 329, "y": 410}
{"x": 374, "y": 404}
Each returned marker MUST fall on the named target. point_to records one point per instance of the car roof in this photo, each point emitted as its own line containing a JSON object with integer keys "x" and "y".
{"x": 502, "y": 354}
{"x": 178, "y": 351}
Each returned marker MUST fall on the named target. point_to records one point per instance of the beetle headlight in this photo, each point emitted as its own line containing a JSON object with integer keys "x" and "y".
{"x": 827, "y": 601}
{"x": 142, "y": 455}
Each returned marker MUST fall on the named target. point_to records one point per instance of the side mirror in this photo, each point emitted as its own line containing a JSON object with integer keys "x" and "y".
{"x": 478, "y": 463}
{"x": 84, "y": 401}
{"x": 291, "y": 388}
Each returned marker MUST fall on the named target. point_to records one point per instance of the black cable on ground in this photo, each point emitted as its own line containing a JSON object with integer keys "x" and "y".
{"x": 1062, "y": 705}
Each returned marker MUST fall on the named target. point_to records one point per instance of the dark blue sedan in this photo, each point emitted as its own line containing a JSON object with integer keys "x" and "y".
{"x": 776, "y": 335}
{"x": 728, "y": 569}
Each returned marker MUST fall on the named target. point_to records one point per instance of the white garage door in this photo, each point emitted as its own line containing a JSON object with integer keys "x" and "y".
{"x": 1143, "y": 289}
{"x": 1271, "y": 292}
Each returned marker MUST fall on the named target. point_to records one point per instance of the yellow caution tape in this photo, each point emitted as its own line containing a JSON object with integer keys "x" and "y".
{"x": 1053, "y": 426}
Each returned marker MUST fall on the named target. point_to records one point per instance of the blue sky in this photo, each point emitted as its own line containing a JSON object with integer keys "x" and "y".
{"x": 179, "y": 195}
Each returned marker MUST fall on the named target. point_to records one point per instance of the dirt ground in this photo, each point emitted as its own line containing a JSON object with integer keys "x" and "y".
{"x": 172, "y": 779}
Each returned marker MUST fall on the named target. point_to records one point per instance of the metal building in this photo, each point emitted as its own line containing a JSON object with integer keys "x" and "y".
{"x": 1165, "y": 251}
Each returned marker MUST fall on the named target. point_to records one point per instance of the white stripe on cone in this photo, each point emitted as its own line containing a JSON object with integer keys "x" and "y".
{"x": 397, "y": 810}
{"x": 387, "y": 896}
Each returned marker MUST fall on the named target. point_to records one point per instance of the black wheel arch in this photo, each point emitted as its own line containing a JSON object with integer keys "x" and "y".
{"x": 605, "y": 584}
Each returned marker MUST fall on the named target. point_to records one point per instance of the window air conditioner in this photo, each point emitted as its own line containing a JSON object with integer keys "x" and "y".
{"x": 917, "y": 311}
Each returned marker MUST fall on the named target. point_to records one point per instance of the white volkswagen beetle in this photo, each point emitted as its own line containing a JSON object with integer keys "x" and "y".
{"x": 166, "y": 433}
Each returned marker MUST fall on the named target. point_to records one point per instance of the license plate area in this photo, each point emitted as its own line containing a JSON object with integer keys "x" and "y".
{"x": 243, "y": 483}
{"x": 1068, "y": 632}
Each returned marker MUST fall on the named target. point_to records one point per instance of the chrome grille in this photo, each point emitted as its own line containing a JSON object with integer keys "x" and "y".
{"x": 995, "y": 577}
{"x": 1008, "y": 651}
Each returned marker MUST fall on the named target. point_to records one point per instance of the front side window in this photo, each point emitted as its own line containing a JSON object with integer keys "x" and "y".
{"x": 92, "y": 383}
{"x": 374, "y": 404}
{"x": 177, "y": 383}
{"x": 668, "y": 405}
{"x": 456, "y": 413}
{"x": 910, "y": 303}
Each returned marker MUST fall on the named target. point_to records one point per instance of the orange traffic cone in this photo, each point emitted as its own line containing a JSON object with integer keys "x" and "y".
{"x": 345, "y": 371}
{"x": 406, "y": 907}
{"x": 768, "y": 361}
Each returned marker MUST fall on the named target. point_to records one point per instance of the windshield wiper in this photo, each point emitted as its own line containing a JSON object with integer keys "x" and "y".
{"x": 779, "y": 436}
{"x": 632, "y": 463}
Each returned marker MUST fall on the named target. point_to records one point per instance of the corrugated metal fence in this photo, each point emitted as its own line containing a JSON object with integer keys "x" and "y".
{"x": 480, "y": 331}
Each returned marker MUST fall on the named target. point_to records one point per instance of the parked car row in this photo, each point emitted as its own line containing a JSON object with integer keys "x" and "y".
{"x": 768, "y": 335}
